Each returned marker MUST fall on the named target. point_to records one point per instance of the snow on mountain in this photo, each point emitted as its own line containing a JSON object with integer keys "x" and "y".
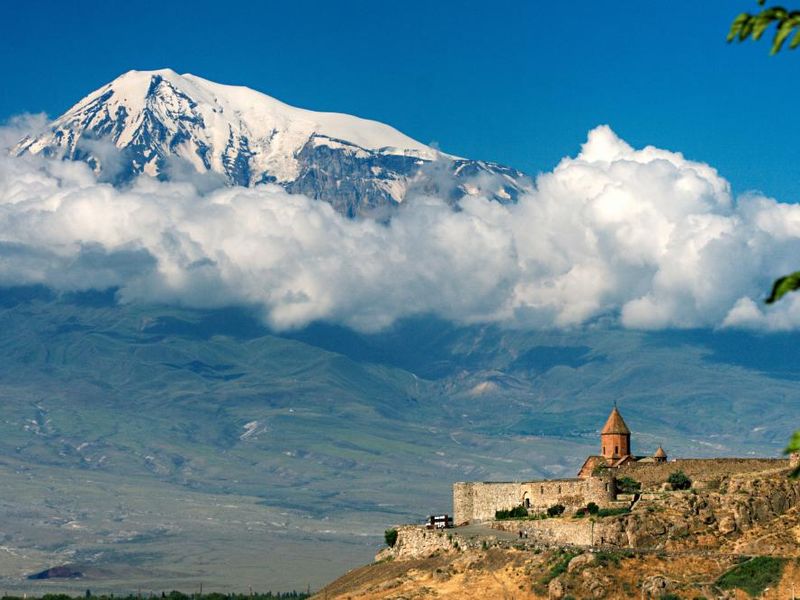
{"x": 155, "y": 117}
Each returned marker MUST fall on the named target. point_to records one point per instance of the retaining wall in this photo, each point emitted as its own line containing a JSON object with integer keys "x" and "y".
{"x": 552, "y": 531}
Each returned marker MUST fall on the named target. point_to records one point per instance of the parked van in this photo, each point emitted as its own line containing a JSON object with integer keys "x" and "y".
{"x": 439, "y": 522}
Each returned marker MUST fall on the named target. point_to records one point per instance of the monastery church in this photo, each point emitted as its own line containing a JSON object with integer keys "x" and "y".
{"x": 615, "y": 448}
{"x": 596, "y": 481}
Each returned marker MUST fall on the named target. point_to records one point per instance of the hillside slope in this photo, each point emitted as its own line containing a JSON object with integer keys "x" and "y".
{"x": 522, "y": 574}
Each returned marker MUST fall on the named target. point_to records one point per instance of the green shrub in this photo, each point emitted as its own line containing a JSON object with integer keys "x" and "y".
{"x": 612, "y": 512}
{"x": 592, "y": 508}
{"x": 754, "y": 576}
{"x": 518, "y": 512}
{"x": 612, "y": 557}
{"x": 679, "y": 481}
{"x": 555, "y": 510}
{"x": 560, "y": 565}
{"x": 390, "y": 537}
{"x": 628, "y": 485}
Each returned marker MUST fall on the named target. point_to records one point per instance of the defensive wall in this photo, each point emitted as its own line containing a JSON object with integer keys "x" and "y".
{"x": 561, "y": 531}
{"x": 704, "y": 472}
{"x": 676, "y": 520}
{"x": 478, "y": 501}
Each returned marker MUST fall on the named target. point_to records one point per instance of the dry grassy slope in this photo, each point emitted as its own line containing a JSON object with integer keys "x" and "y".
{"x": 518, "y": 574}
{"x": 780, "y": 537}
{"x": 508, "y": 572}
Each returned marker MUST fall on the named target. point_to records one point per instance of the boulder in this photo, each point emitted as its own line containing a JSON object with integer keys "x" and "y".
{"x": 581, "y": 561}
{"x": 655, "y": 585}
{"x": 727, "y": 525}
{"x": 556, "y": 589}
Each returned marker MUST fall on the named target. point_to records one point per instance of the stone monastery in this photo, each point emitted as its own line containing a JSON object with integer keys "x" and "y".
{"x": 596, "y": 481}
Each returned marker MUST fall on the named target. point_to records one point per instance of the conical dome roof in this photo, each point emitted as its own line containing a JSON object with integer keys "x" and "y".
{"x": 660, "y": 453}
{"x": 615, "y": 424}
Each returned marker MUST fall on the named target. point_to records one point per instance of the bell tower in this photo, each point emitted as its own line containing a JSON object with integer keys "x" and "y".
{"x": 615, "y": 438}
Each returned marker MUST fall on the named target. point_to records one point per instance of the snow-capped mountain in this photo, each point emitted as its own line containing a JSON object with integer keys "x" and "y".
{"x": 160, "y": 120}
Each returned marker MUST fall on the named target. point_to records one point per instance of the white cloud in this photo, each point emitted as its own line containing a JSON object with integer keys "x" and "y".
{"x": 644, "y": 235}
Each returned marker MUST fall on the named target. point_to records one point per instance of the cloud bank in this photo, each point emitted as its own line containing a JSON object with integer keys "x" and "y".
{"x": 646, "y": 237}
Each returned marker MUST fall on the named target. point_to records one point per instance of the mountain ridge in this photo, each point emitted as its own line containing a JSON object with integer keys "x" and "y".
{"x": 155, "y": 118}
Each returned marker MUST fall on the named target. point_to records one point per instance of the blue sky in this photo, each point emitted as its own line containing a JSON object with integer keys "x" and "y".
{"x": 516, "y": 82}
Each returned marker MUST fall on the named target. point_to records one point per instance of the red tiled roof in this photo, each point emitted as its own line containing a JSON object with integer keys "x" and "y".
{"x": 615, "y": 424}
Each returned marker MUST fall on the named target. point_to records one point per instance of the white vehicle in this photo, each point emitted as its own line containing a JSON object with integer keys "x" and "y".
{"x": 439, "y": 522}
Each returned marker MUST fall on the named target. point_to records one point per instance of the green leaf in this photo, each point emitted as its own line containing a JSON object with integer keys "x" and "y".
{"x": 795, "y": 40}
{"x": 794, "y": 444}
{"x": 783, "y": 286}
{"x": 777, "y": 12}
{"x": 784, "y": 30}
{"x": 762, "y": 22}
{"x": 747, "y": 29}
{"x": 736, "y": 26}
{"x": 741, "y": 19}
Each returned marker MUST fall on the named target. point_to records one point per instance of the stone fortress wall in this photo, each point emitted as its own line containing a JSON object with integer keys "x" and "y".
{"x": 704, "y": 472}
{"x": 696, "y": 521}
{"x": 478, "y": 501}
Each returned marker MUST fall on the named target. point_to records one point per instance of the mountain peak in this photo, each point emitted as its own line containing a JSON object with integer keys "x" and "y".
{"x": 157, "y": 117}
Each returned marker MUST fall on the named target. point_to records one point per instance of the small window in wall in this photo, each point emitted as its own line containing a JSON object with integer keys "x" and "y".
{"x": 527, "y": 502}
{"x": 559, "y": 489}
{"x": 604, "y": 450}
{"x": 541, "y": 489}
{"x": 606, "y": 487}
{"x": 616, "y": 450}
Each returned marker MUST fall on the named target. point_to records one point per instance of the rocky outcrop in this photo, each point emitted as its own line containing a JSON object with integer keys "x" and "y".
{"x": 681, "y": 519}
{"x": 359, "y": 182}
{"x": 414, "y": 541}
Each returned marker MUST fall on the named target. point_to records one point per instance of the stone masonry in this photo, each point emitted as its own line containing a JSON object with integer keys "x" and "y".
{"x": 478, "y": 501}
